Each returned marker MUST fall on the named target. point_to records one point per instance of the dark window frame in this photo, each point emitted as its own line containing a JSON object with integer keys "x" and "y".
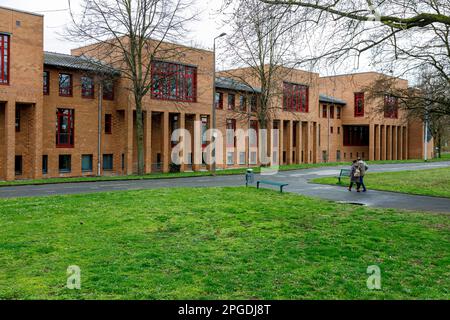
{"x": 17, "y": 119}
{"x": 231, "y": 101}
{"x": 108, "y": 90}
{"x": 70, "y": 114}
{"x": 61, "y": 161}
{"x": 90, "y": 169}
{"x": 44, "y": 164}
{"x": 356, "y": 136}
{"x": 18, "y": 165}
{"x": 231, "y": 125}
{"x": 242, "y": 103}
{"x": 218, "y": 100}
{"x": 65, "y": 91}
{"x": 87, "y": 89}
{"x": 331, "y": 112}
{"x": 108, "y": 123}
{"x": 5, "y": 51}
{"x": 324, "y": 111}
{"x": 106, "y": 162}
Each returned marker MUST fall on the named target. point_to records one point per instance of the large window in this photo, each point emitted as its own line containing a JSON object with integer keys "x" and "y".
{"x": 359, "y": 104}
{"x": 295, "y": 97}
{"x": 46, "y": 83}
{"x": 65, "y": 163}
{"x": 4, "y": 59}
{"x": 171, "y": 81}
{"x": 87, "y": 87}
{"x": 65, "y": 128}
{"x": 356, "y": 135}
{"x": 108, "y": 90}
{"x": 390, "y": 107}
{"x": 65, "y": 85}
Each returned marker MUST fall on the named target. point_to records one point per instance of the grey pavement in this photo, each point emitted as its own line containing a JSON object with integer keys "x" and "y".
{"x": 298, "y": 183}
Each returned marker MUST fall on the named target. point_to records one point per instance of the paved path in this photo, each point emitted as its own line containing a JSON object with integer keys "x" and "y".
{"x": 298, "y": 183}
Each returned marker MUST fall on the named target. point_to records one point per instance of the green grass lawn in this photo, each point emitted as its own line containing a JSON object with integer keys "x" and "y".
{"x": 218, "y": 243}
{"x": 431, "y": 182}
{"x": 239, "y": 171}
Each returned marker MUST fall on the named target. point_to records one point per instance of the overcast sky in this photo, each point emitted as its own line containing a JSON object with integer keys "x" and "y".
{"x": 56, "y": 15}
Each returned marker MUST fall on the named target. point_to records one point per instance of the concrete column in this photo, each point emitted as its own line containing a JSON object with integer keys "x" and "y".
{"x": 148, "y": 142}
{"x": 130, "y": 139}
{"x": 281, "y": 143}
{"x": 10, "y": 140}
{"x": 197, "y": 143}
{"x": 37, "y": 140}
{"x": 166, "y": 140}
{"x": 183, "y": 154}
{"x": 372, "y": 142}
{"x": 290, "y": 142}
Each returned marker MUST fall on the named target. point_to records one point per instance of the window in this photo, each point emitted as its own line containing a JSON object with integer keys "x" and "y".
{"x": 242, "y": 103}
{"x": 123, "y": 161}
{"x": 241, "y": 157}
{"x": 253, "y": 103}
{"x": 219, "y": 100}
{"x": 18, "y": 165}
{"x": 359, "y": 104}
{"x": 231, "y": 127}
{"x": 332, "y": 112}
{"x": 17, "y": 119}
{"x": 65, "y": 85}
{"x": 65, "y": 128}
{"x": 231, "y": 101}
{"x": 171, "y": 81}
{"x": 204, "y": 129}
{"x": 65, "y": 164}
{"x": 46, "y": 83}
{"x": 338, "y": 155}
{"x": 390, "y": 107}
{"x": 230, "y": 158}
{"x": 86, "y": 163}
{"x": 339, "y": 130}
{"x": 107, "y": 162}
{"x": 356, "y": 136}
{"x": 108, "y": 124}
{"x": 324, "y": 111}
{"x": 87, "y": 87}
{"x": 4, "y": 59}
{"x": 45, "y": 164}
{"x": 338, "y": 112}
{"x": 331, "y": 130}
{"x": 108, "y": 90}
{"x": 295, "y": 97}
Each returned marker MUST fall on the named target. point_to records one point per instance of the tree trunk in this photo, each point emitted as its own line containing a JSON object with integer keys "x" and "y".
{"x": 140, "y": 137}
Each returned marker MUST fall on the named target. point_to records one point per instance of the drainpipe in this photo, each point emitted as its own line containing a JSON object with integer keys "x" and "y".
{"x": 99, "y": 142}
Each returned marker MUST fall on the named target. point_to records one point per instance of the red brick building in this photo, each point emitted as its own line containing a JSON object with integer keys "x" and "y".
{"x": 54, "y": 122}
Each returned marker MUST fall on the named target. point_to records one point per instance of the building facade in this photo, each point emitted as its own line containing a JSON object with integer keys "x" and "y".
{"x": 64, "y": 116}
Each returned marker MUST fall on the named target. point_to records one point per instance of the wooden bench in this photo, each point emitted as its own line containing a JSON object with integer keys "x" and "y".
{"x": 272, "y": 183}
{"x": 344, "y": 173}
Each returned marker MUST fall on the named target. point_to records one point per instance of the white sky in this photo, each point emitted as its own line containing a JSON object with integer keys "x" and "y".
{"x": 203, "y": 32}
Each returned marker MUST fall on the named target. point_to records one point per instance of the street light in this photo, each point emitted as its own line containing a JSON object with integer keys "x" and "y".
{"x": 213, "y": 165}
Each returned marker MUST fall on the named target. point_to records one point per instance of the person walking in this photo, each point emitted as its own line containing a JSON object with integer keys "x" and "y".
{"x": 362, "y": 169}
{"x": 355, "y": 174}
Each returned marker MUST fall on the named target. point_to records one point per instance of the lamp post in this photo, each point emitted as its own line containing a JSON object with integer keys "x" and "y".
{"x": 213, "y": 164}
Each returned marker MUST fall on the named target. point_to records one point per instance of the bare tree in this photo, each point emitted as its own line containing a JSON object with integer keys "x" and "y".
{"x": 262, "y": 44}
{"x": 129, "y": 35}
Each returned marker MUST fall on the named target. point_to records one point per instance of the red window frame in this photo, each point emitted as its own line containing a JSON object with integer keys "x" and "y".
{"x": 324, "y": 111}
{"x": 108, "y": 90}
{"x": 231, "y": 101}
{"x": 174, "y": 82}
{"x": 231, "y": 125}
{"x": 390, "y": 107}
{"x": 67, "y": 90}
{"x": 359, "y": 104}
{"x": 65, "y": 117}
{"x": 5, "y": 44}
{"x": 87, "y": 87}
{"x": 295, "y": 97}
{"x": 108, "y": 123}
{"x": 46, "y": 83}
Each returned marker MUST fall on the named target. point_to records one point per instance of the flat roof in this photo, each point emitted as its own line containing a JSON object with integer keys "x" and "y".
{"x": 22, "y": 11}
